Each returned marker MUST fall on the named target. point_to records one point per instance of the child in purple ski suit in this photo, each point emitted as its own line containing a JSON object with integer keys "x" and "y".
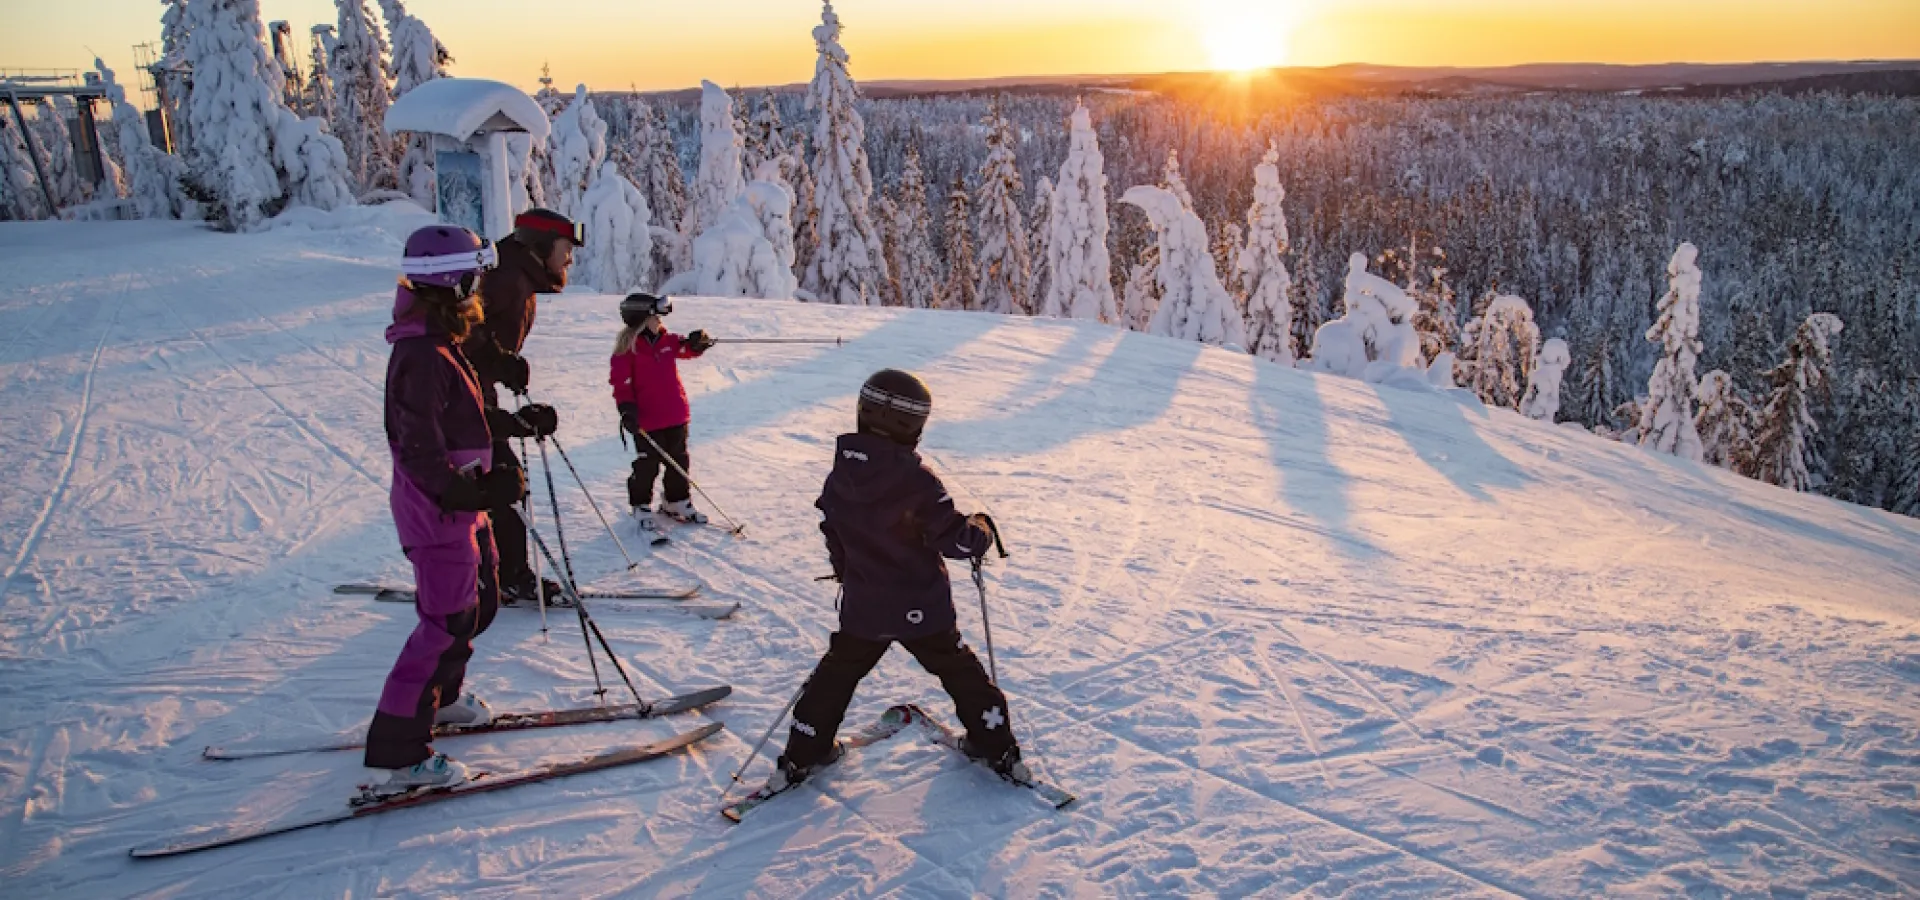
{"x": 645, "y": 375}
{"x": 443, "y": 481}
{"x": 890, "y": 525}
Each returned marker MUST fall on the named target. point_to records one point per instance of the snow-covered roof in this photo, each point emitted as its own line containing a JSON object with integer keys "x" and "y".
{"x": 462, "y": 107}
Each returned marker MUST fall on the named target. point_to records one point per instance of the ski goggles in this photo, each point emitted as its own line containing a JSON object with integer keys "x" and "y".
{"x": 646, "y": 305}
{"x": 469, "y": 265}
{"x": 573, "y": 231}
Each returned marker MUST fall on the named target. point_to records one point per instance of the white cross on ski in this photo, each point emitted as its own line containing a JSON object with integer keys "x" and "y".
{"x": 993, "y": 718}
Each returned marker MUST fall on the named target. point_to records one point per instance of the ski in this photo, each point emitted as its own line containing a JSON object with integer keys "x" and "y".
{"x": 402, "y": 594}
{"x": 478, "y": 783}
{"x": 614, "y": 602}
{"x": 550, "y": 718}
{"x": 941, "y": 733}
{"x": 890, "y": 723}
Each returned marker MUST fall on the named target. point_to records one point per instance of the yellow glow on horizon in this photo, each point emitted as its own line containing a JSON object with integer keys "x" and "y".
{"x": 1247, "y": 35}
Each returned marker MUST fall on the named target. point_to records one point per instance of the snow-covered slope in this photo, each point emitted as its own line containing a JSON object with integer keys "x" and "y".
{"x": 1283, "y": 633}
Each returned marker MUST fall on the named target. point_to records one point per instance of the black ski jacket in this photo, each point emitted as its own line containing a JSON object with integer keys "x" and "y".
{"x": 889, "y": 523}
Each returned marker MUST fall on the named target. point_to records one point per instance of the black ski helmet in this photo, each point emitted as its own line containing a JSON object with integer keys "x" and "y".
{"x": 895, "y": 405}
{"x": 637, "y": 307}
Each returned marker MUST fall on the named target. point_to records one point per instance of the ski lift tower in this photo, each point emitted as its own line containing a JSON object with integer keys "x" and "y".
{"x": 40, "y": 87}
{"x": 470, "y": 120}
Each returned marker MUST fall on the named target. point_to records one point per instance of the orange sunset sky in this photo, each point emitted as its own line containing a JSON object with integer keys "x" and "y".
{"x": 611, "y": 44}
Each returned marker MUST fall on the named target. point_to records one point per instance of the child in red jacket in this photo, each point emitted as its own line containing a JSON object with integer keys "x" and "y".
{"x": 653, "y": 404}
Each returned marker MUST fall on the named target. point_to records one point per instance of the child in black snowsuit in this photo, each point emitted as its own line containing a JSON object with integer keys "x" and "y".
{"x": 890, "y": 527}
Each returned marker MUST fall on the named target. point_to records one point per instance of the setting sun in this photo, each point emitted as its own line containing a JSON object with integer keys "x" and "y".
{"x": 1245, "y": 36}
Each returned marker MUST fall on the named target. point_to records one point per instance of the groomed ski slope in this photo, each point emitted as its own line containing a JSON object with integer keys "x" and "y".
{"x": 1285, "y": 635}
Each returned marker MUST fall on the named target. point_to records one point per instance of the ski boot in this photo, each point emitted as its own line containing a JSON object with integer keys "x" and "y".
{"x": 467, "y": 712}
{"x": 786, "y": 775}
{"x": 527, "y": 594}
{"x": 436, "y": 771}
{"x": 683, "y": 511}
{"x": 1007, "y": 765}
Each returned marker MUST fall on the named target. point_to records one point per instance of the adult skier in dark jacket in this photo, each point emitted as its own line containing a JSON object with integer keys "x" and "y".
{"x": 890, "y": 526}
{"x": 444, "y": 478}
{"x": 533, "y": 261}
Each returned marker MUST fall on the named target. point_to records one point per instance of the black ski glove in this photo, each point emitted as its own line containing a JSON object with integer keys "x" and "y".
{"x": 984, "y": 540}
{"x": 463, "y": 494}
{"x": 503, "y": 486}
{"x": 630, "y": 418}
{"x": 503, "y": 424}
{"x": 514, "y": 372}
{"x": 539, "y": 418}
{"x": 700, "y": 341}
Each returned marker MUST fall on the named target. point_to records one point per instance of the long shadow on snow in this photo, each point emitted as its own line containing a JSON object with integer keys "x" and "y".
{"x": 1437, "y": 429}
{"x": 835, "y": 373}
{"x": 1134, "y": 385}
{"x": 1286, "y": 405}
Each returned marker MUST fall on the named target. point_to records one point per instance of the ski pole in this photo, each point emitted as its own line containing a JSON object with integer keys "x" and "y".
{"x": 837, "y": 342}
{"x": 763, "y": 741}
{"x": 560, "y": 534}
{"x": 631, "y": 565}
{"x": 739, "y": 530}
{"x": 539, "y": 586}
{"x": 590, "y": 631}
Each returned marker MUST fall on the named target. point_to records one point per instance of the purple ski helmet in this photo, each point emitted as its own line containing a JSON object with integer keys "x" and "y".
{"x": 445, "y": 256}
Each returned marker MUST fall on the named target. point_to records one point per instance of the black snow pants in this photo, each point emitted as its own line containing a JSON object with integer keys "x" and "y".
{"x": 509, "y": 530}
{"x": 823, "y": 701}
{"x": 647, "y": 465}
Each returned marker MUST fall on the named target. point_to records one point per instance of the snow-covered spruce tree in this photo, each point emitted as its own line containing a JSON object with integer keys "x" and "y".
{"x": 1498, "y": 354}
{"x": 1543, "y": 385}
{"x": 782, "y": 147}
{"x": 1006, "y": 262}
{"x": 963, "y": 268}
{"x": 886, "y": 216}
{"x": 576, "y": 149}
{"x": 1079, "y": 266}
{"x": 1140, "y": 299}
{"x": 619, "y": 256}
{"x": 1039, "y": 227}
{"x": 719, "y": 180}
{"x": 919, "y": 271}
{"x": 174, "y": 79}
{"x": 846, "y": 267}
{"x": 1725, "y": 423}
{"x": 734, "y": 258}
{"x": 19, "y": 186}
{"x": 250, "y": 156}
{"x": 1906, "y": 484}
{"x": 1783, "y": 451}
{"x": 1228, "y": 241}
{"x": 1263, "y": 266}
{"x": 771, "y": 203}
{"x": 1193, "y": 305}
{"x": 55, "y": 140}
{"x": 1666, "y": 421}
{"x": 659, "y": 178}
{"x": 1437, "y": 318}
{"x": 362, "y": 91}
{"x": 317, "y": 97}
{"x": 1375, "y": 335}
{"x": 1172, "y": 181}
{"x": 418, "y": 57}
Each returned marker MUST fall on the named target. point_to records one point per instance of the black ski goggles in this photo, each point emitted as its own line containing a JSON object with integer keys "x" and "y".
{"x": 645, "y": 305}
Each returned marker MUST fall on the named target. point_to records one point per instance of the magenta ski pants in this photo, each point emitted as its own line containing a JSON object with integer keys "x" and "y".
{"x": 456, "y": 596}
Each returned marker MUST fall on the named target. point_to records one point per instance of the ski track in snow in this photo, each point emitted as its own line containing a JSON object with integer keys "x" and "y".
{"x": 1284, "y": 635}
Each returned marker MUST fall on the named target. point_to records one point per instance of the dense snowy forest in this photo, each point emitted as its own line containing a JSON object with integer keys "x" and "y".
{"x": 1797, "y": 205}
{"x": 1725, "y": 278}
